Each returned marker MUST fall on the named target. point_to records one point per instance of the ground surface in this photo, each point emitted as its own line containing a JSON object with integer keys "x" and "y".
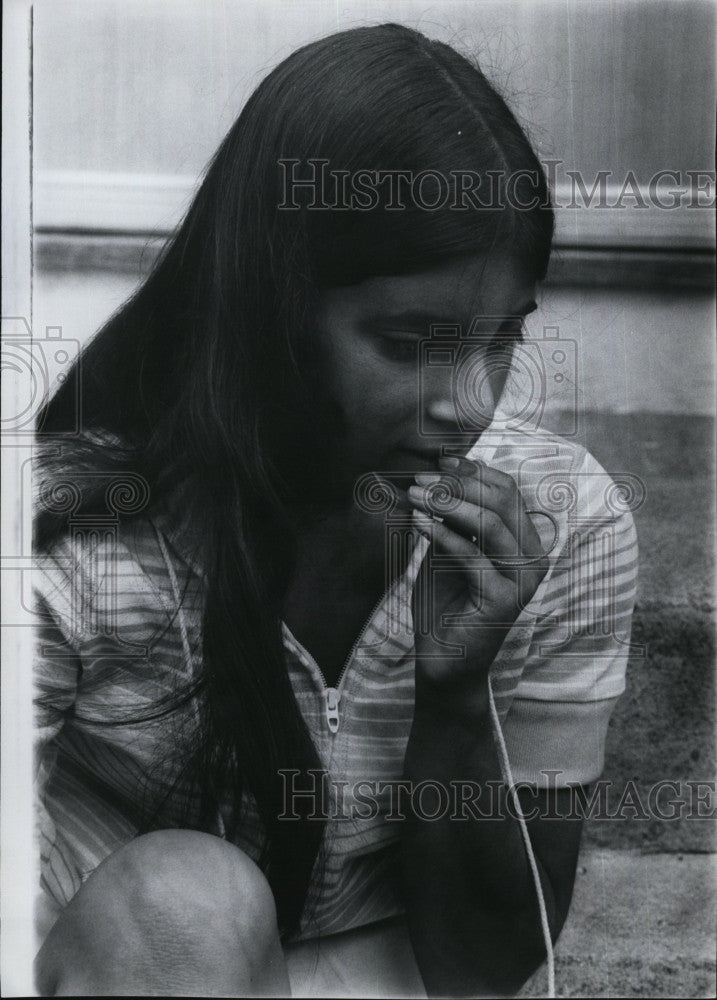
{"x": 640, "y": 926}
{"x": 642, "y": 923}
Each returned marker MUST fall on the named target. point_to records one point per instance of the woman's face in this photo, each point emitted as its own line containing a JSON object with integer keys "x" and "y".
{"x": 417, "y": 362}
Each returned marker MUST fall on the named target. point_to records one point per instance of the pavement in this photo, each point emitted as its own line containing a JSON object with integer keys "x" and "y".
{"x": 640, "y": 925}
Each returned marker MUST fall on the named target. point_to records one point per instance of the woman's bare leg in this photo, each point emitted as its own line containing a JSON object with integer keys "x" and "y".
{"x": 173, "y": 913}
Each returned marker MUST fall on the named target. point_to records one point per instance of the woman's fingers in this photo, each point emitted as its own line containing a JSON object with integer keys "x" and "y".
{"x": 473, "y": 521}
{"x": 499, "y": 492}
{"x": 494, "y": 543}
{"x": 462, "y": 607}
{"x": 480, "y": 572}
{"x": 494, "y": 490}
{"x": 485, "y": 506}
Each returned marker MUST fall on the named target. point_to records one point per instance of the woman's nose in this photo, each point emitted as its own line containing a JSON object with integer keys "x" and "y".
{"x": 461, "y": 398}
{"x": 441, "y": 410}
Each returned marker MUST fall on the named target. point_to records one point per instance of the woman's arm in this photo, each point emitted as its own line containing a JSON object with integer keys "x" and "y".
{"x": 471, "y": 901}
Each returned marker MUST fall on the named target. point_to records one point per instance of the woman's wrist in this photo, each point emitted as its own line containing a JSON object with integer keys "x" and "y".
{"x": 450, "y": 728}
{"x": 456, "y": 700}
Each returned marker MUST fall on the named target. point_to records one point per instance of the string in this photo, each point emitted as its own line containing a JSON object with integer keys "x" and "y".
{"x": 508, "y": 778}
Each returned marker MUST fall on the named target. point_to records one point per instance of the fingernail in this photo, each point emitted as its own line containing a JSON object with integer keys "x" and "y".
{"x": 422, "y": 522}
{"x": 427, "y": 478}
{"x": 449, "y": 462}
{"x": 416, "y": 493}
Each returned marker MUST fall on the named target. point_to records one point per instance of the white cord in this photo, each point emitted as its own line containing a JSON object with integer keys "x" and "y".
{"x": 508, "y": 778}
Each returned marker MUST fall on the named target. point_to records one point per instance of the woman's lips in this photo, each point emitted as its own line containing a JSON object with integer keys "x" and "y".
{"x": 459, "y": 450}
{"x": 424, "y": 459}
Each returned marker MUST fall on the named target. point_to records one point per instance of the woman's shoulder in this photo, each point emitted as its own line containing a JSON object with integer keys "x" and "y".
{"x": 541, "y": 449}
{"x": 107, "y": 554}
{"x": 561, "y": 476}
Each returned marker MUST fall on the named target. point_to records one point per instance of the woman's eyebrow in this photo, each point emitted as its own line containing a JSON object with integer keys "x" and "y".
{"x": 411, "y": 317}
{"x": 420, "y": 318}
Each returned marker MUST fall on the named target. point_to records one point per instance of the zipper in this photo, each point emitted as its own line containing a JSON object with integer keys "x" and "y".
{"x": 332, "y": 695}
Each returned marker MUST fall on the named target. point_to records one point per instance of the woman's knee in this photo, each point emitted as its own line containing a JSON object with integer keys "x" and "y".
{"x": 173, "y": 910}
{"x": 176, "y": 871}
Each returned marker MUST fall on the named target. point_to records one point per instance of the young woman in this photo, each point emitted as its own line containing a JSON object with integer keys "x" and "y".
{"x": 309, "y": 600}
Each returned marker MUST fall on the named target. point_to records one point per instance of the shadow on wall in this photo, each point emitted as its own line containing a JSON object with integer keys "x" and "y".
{"x": 663, "y": 727}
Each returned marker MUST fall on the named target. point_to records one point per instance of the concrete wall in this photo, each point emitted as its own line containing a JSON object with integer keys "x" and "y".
{"x": 152, "y": 86}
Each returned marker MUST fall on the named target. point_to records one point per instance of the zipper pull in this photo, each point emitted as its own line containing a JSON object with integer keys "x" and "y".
{"x": 332, "y": 697}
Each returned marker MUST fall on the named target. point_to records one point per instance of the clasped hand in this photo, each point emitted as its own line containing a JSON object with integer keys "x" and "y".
{"x": 483, "y": 566}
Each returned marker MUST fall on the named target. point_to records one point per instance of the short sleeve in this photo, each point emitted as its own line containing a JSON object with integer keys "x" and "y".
{"x": 57, "y": 672}
{"x": 575, "y": 668}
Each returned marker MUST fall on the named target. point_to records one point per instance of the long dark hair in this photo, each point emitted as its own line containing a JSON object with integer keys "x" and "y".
{"x": 203, "y": 378}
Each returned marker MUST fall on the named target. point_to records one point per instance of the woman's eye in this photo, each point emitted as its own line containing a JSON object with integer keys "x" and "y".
{"x": 397, "y": 348}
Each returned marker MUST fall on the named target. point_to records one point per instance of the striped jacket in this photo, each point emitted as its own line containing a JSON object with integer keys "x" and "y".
{"x": 120, "y": 628}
